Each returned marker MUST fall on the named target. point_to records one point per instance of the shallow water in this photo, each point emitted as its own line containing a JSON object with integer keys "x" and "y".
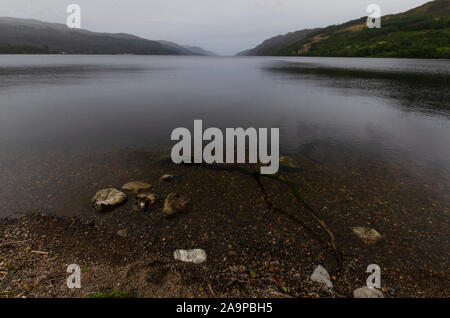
{"x": 67, "y": 122}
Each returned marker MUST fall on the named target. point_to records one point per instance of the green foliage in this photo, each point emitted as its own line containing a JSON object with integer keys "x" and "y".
{"x": 4, "y": 293}
{"x": 116, "y": 294}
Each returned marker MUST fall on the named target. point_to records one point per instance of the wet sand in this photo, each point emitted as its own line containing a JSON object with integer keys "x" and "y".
{"x": 229, "y": 218}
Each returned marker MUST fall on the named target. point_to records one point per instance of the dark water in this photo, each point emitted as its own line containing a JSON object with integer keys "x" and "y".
{"x": 59, "y": 108}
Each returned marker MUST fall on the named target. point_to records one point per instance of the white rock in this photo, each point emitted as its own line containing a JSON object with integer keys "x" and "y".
{"x": 368, "y": 235}
{"x": 196, "y": 256}
{"x": 107, "y": 198}
{"x": 367, "y": 292}
{"x": 321, "y": 276}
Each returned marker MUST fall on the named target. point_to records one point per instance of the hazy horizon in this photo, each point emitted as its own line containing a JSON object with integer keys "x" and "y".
{"x": 225, "y": 27}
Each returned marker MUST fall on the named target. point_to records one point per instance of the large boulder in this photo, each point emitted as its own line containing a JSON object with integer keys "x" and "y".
{"x": 136, "y": 186}
{"x": 174, "y": 204}
{"x": 108, "y": 198}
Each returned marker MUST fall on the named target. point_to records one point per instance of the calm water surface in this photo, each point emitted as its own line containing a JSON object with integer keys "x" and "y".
{"x": 54, "y": 109}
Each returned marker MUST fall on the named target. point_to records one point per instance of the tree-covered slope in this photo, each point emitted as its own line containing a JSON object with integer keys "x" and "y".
{"x": 423, "y": 32}
{"x": 273, "y": 45}
{"x": 32, "y": 36}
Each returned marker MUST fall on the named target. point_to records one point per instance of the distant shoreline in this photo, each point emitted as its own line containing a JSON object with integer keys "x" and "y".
{"x": 232, "y": 56}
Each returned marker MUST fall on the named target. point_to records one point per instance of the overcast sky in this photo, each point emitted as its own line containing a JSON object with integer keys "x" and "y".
{"x": 223, "y": 26}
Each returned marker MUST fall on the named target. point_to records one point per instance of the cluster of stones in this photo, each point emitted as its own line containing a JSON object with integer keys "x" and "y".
{"x": 321, "y": 277}
{"x": 174, "y": 204}
{"x": 108, "y": 199}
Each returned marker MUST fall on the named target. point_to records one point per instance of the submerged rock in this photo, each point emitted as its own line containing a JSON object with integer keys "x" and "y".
{"x": 196, "y": 256}
{"x": 367, "y": 292}
{"x": 322, "y": 152}
{"x": 162, "y": 158}
{"x": 145, "y": 200}
{"x": 174, "y": 204}
{"x": 321, "y": 276}
{"x": 167, "y": 177}
{"x": 107, "y": 198}
{"x": 368, "y": 235}
{"x": 122, "y": 233}
{"x": 136, "y": 186}
{"x": 288, "y": 163}
{"x": 317, "y": 154}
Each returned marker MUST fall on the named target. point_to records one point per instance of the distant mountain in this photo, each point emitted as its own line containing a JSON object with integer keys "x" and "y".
{"x": 422, "y": 32}
{"x": 273, "y": 45}
{"x": 175, "y": 46}
{"x": 200, "y": 51}
{"x": 32, "y": 36}
{"x": 189, "y": 50}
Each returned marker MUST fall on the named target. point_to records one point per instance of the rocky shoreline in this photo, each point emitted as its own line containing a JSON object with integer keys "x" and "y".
{"x": 195, "y": 232}
{"x": 34, "y": 260}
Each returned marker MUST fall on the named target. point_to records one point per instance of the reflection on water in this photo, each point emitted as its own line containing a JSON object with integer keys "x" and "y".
{"x": 55, "y": 109}
{"x": 425, "y": 91}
